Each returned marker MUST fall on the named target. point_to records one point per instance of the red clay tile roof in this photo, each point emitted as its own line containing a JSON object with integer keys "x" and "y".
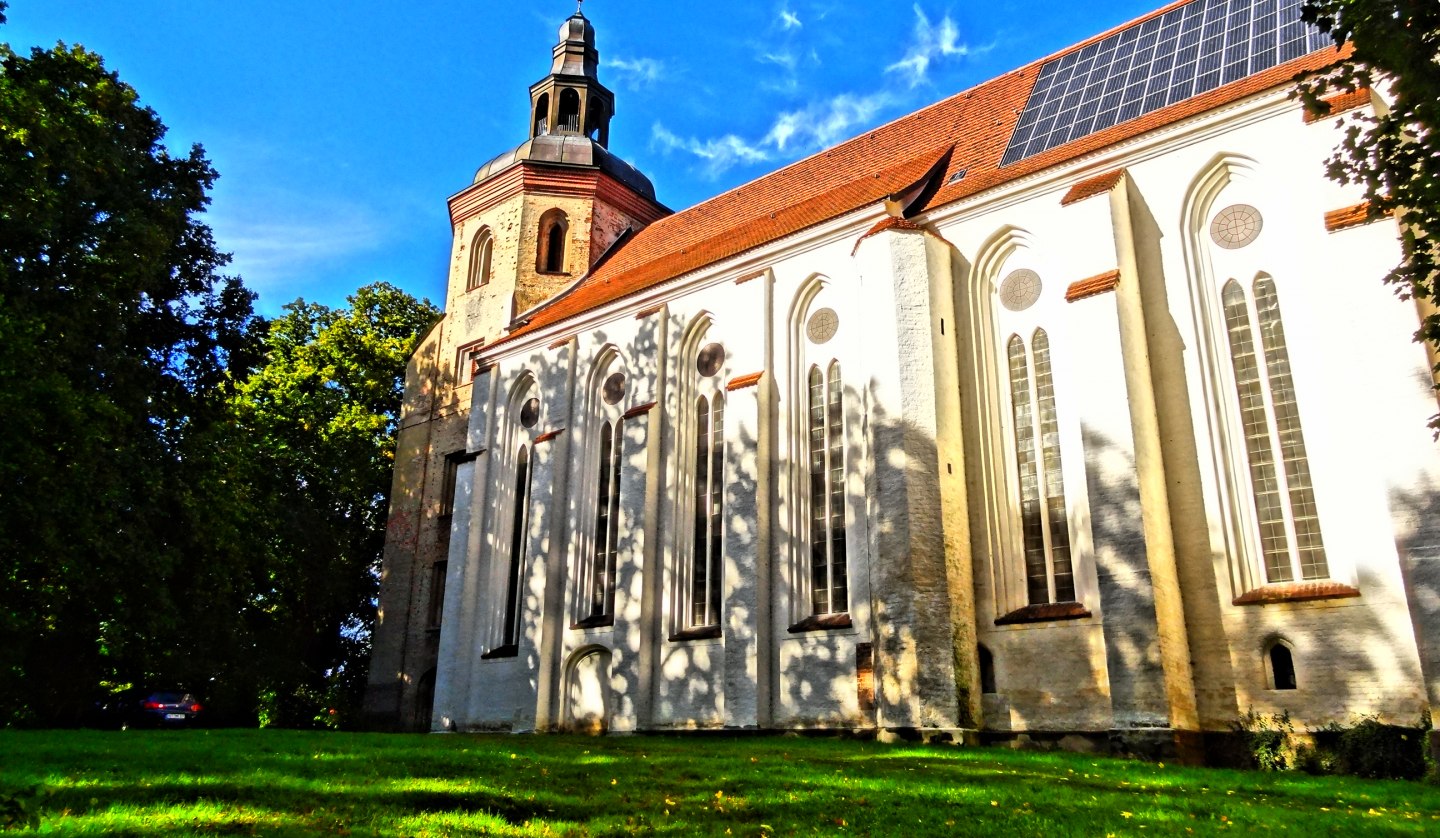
{"x": 1351, "y": 216}
{"x": 1081, "y": 289}
{"x": 1340, "y": 103}
{"x": 1098, "y": 185}
{"x": 973, "y": 126}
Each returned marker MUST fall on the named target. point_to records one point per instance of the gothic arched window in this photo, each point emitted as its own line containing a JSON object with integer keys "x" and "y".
{"x": 481, "y": 249}
{"x": 709, "y": 493}
{"x": 600, "y": 575}
{"x": 1285, "y": 512}
{"x": 510, "y": 638}
{"x": 829, "y": 584}
{"x": 1045, "y": 530}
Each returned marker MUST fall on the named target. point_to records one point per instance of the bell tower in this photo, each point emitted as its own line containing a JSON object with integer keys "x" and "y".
{"x": 538, "y": 216}
{"x": 571, "y": 100}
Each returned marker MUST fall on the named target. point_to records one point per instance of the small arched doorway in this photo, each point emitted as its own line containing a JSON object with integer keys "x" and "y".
{"x": 587, "y": 691}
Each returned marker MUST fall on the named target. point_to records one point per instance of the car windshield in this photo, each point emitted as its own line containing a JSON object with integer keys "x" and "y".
{"x": 171, "y": 698}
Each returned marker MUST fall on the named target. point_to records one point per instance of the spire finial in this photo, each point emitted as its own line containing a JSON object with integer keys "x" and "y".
{"x": 579, "y": 5}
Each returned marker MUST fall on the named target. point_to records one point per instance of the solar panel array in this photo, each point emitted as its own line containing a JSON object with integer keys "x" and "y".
{"x": 1158, "y": 62}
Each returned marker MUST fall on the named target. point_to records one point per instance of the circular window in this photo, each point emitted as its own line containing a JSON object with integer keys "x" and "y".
{"x": 1236, "y": 226}
{"x": 711, "y": 357}
{"x": 530, "y": 413}
{"x": 1020, "y": 289}
{"x": 614, "y": 389}
{"x": 823, "y": 325}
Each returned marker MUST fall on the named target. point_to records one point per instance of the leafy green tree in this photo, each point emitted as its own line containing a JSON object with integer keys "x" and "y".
{"x": 116, "y": 329}
{"x": 319, "y": 415}
{"x": 1394, "y": 155}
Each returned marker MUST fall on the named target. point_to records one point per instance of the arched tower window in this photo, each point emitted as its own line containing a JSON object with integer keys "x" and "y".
{"x": 569, "y": 111}
{"x": 481, "y": 250}
{"x": 541, "y": 120}
{"x": 1045, "y": 530}
{"x": 1282, "y": 666}
{"x": 1285, "y": 511}
{"x": 554, "y": 227}
{"x": 597, "y": 124}
{"x": 829, "y": 584}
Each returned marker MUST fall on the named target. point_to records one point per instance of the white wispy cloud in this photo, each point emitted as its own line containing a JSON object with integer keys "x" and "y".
{"x": 930, "y": 42}
{"x": 716, "y": 156}
{"x": 636, "y": 73}
{"x": 279, "y": 237}
{"x": 788, "y": 19}
{"x": 822, "y": 124}
{"x": 782, "y": 58}
{"x": 793, "y": 133}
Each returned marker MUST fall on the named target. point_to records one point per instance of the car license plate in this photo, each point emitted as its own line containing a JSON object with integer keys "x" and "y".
{"x": 174, "y": 715}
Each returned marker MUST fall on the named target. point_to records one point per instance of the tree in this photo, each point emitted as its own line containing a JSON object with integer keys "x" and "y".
{"x": 116, "y": 329}
{"x": 318, "y": 418}
{"x": 1394, "y": 155}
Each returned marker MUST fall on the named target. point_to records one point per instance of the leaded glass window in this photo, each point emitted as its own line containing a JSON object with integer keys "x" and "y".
{"x": 1286, "y": 518}
{"x": 1044, "y": 524}
{"x": 705, "y": 573}
{"x": 828, "y": 572}
{"x": 601, "y": 581}
{"x": 519, "y": 524}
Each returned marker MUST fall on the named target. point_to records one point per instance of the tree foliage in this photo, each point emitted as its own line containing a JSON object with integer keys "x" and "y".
{"x": 318, "y": 416}
{"x": 1394, "y": 155}
{"x": 115, "y": 324}
{"x": 188, "y": 495}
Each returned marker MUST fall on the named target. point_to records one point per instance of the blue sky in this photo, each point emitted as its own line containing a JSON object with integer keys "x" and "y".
{"x": 339, "y": 129}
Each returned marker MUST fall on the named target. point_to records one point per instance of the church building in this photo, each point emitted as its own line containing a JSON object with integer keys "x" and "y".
{"x": 1070, "y": 409}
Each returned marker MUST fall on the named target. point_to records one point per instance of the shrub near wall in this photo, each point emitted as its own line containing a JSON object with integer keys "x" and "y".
{"x": 1369, "y": 749}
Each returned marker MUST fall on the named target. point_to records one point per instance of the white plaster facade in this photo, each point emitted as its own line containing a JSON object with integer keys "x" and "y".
{"x": 937, "y": 631}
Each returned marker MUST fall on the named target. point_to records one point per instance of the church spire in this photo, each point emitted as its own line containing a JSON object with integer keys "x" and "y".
{"x": 571, "y": 100}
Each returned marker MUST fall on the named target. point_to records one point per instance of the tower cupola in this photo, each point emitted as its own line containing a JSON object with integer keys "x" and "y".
{"x": 571, "y": 100}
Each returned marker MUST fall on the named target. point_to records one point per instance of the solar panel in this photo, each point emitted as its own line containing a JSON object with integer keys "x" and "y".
{"x": 1160, "y": 61}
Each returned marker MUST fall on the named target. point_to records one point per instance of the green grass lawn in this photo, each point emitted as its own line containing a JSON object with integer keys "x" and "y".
{"x": 298, "y": 783}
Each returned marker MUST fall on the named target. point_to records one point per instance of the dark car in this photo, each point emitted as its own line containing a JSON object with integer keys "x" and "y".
{"x": 149, "y": 708}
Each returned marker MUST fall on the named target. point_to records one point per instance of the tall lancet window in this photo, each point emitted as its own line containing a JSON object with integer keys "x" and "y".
{"x": 705, "y": 566}
{"x": 1045, "y": 530}
{"x": 600, "y": 575}
{"x": 829, "y": 585}
{"x": 550, "y": 256}
{"x": 481, "y": 250}
{"x": 520, "y": 524}
{"x": 1285, "y": 512}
